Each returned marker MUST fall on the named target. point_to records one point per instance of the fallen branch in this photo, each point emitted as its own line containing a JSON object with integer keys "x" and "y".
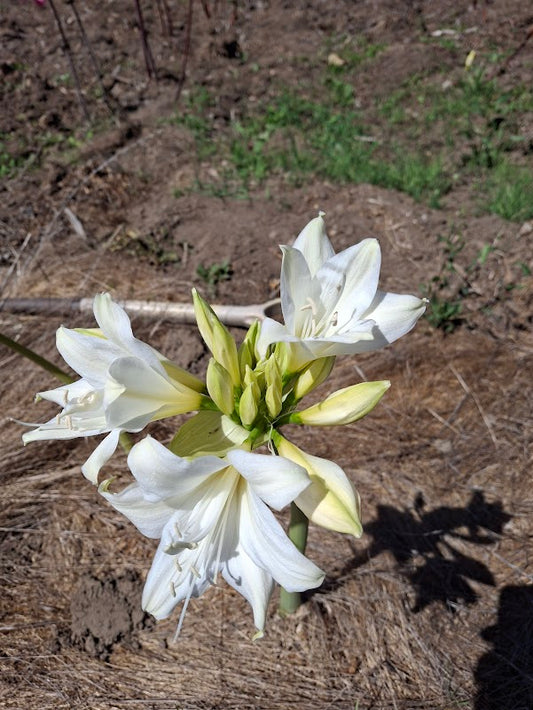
{"x": 239, "y": 316}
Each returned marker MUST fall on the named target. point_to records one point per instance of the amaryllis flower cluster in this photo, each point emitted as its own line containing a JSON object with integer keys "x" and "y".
{"x": 208, "y": 496}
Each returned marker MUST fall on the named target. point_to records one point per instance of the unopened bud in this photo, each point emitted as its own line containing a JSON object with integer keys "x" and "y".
{"x": 312, "y": 376}
{"x": 249, "y": 404}
{"x": 217, "y": 337}
{"x": 274, "y": 391}
{"x": 220, "y": 386}
{"x": 344, "y": 406}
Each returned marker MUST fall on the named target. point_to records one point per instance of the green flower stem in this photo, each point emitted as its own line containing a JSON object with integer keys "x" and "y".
{"x": 41, "y": 361}
{"x": 125, "y": 439}
{"x": 298, "y": 526}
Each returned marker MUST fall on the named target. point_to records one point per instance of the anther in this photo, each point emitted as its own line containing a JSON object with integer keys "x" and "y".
{"x": 178, "y": 546}
{"x": 310, "y": 305}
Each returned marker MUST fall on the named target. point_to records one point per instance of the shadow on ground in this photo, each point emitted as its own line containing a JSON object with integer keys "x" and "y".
{"x": 424, "y": 545}
{"x": 504, "y": 675}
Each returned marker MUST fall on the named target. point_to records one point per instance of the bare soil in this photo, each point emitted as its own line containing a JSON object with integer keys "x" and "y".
{"x": 433, "y": 607}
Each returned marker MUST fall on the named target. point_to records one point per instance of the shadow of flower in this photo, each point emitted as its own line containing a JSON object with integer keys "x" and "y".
{"x": 424, "y": 545}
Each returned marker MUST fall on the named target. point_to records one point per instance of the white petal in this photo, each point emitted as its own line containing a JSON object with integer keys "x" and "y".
{"x": 277, "y": 481}
{"x": 273, "y": 332}
{"x": 112, "y": 318}
{"x": 340, "y": 344}
{"x": 165, "y": 475}
{"x": 265, "y": 542}
{"x": 148, "y": 517}
{"x": 394, "y": 314}
{"x": 254, "y": 583}
{"x": 295, "y": 286}
{"x": 57, "y": 429}
{"x": 100, "y": 456}
{"x": 61, "y": 395}
{"x": 136, "y": 394}
{"x": 349, "y": 280}
{"x": 331, "y": 500}
{"x": 115, "y": 325}
{"x": 88, "y": 355}
{"x": 314, "y": 244}
{"x": 159, "y": 595}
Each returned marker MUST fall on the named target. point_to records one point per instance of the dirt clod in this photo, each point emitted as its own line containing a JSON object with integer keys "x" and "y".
{"x": 106, "y": 611}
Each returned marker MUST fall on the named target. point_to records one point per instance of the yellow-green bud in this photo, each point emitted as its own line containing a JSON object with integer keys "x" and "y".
{"x": 249, "y": 404}
{"x": 220, "y": 386}
{"x": 217, "y": 337}
{"x": 273, "y": 400}
{"x": 313, "y": 375}
{"x": 344, "y": 406}
{"x": 246, "y": 358}
{"x": 274, "y": 391}
{"x": 247, "y": 350}
{"x": 330, "y": 500}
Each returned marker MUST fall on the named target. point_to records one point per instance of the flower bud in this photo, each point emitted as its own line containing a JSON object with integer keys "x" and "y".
{"x": 247, "y": 356}
{"x": 330, "y": 500}
{"x": 312, "y": 376}
{"x": 273, "y": 396}
{"x": 220, "y": 386}
{"x": 345, "y": 406}
{"x": 249, "y": 404}
{"x": 217, "y": 337}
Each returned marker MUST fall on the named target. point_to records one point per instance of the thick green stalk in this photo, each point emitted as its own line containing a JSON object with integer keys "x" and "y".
{"x": 298, "y": 526}
{"x": 43, "y": 362}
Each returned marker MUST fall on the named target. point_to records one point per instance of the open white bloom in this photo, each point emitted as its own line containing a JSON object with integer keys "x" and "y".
{"x": 124, "y": 384}
{"x": 211, "y": 515}
{"x": 331, "y": 303}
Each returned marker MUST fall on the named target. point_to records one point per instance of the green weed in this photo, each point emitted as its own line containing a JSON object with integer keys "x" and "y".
{"x": 510, "y": 192}
{"x": 214, "y": 274}
{"x": 445, "y": 302}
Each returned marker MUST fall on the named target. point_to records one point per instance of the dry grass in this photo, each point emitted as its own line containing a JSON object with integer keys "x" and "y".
{"x": 402, "y": 620}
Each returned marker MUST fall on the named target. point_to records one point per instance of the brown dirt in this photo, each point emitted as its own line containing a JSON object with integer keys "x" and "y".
{"x": 433, "y": 608}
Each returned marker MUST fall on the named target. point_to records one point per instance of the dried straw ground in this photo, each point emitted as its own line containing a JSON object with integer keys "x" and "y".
{"x": 433, "y": 608}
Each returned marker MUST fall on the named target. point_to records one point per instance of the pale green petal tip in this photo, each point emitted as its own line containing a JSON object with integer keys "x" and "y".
{"x": 258, "y": 635}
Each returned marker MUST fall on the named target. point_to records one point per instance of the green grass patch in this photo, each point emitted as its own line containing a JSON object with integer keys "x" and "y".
{"x": 447, "y": 133}
{"x": 510, "y": 192}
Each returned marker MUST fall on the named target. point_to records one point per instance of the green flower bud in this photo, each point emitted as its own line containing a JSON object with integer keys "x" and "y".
{"x": 312, "y": 376}
{"x": 344, "y": 406}
{"x": 249, "y": 404}
{"x": 274, "y": 392}
{"x": 220, "y": 386}
{"x": 246, "y": 354}
{"x": 217, "y": 337}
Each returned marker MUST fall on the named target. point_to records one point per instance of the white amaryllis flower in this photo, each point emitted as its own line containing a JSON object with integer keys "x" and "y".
{"x": 211, "y": 515}
{"x": 331, "y": 303}
{"x": 124, "y": 384}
